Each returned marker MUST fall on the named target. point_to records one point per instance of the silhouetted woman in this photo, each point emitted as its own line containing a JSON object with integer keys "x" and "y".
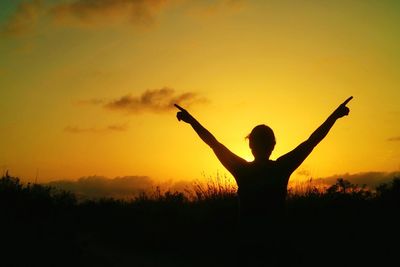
{"x": 262, "y": 183}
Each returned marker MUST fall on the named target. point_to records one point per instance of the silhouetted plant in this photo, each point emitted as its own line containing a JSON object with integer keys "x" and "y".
{"x": 165, "y": 222}
{"x": 344, "y": 187}
{"x": 307, "y": 189}
{"x": 158, "y": 195}
{"x": 341, "y": 186}
{"x": 389, "y": 192}
{"x": 218, "y": 188}
{"x": 9, "y": 185}
{"x": 13, "y": 192}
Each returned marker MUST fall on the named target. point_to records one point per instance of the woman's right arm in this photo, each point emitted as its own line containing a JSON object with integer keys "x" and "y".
{"x": 230, "y": 160}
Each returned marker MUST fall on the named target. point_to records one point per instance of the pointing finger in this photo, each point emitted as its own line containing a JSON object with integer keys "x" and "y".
{"x": 347, "y": 101}
{"x": 179, "y": 107}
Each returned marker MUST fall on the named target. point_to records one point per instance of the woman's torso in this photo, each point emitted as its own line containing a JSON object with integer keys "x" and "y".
{"x": 262, "y": 188}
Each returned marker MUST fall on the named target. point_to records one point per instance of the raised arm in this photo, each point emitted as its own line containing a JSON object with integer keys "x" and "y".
{"x": 230, "y": 161}
{"x": 292, "y": 160}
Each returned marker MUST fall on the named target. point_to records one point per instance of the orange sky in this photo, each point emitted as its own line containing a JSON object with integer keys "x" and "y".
{"x": 74, "y": 78}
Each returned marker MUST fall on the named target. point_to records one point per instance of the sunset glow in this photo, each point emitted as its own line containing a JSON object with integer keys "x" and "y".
{"x": 88, "y": 90}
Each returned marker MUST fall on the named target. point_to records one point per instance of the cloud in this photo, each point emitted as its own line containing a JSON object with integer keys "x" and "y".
{"x": 93, "y": 101}
{"x": 156, "y": 101}
{"x": 371, "y": 179}
{"x": 99, "y": 186}
{"x": 109, "y": 128}
{"x": 117, "y": 127}
{"x": 393, "y": 139}
{"x": 24, "y": 19}
{"x": 128, "y": 187}
{"x": 304, "y": 172}
{"x": 89, "y": 12}
{"x": 105, "y": 12}
{"x": 210, "y": 8}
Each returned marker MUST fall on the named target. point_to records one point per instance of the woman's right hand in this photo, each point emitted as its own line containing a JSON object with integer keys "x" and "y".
{"x": 183, "y": 115}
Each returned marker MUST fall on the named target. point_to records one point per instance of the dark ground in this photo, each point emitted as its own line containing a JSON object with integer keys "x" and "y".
{"x": 344, "y": 226}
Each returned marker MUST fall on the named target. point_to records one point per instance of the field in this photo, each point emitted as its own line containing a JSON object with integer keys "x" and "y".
{"x": 343, "y": 225}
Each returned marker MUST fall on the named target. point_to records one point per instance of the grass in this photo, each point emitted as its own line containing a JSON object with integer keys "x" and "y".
{"x": 344, "y": 224}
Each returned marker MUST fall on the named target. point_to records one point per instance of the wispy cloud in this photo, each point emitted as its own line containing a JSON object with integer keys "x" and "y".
{"x": 99, "y": 186}
{"x": 210, "y": 8}
{"x": 304, "y": 172}
{"x": 393, "y": 139}
{"x": 371, "y": 179}
{"x": 109, "y": 128}
{"x": 155, "y": 101}
{"x": 92, "y": 13}
{"x": 93, "y": 101}
{"x": 124, "y": 187}
{"x": 89, "y": 12}
{"x": 24, "y": 19}
{"x": 117, "y": 127}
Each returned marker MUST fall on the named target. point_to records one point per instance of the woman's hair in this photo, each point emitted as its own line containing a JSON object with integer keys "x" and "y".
{"x": 262, "y": 139}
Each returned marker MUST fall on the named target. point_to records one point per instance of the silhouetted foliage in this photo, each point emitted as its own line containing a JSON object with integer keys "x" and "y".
{"x": 198, "y": 228}
{"x": 390, "y": 192}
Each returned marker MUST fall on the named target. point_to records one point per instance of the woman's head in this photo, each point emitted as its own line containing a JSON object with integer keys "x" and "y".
{"x": 261, "y": 141}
